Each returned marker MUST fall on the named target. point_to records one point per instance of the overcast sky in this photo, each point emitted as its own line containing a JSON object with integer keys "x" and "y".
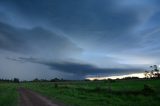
{"x": 74, "y": 39}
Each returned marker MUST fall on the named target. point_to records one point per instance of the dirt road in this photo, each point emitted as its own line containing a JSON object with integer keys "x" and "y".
{"x": 30, "y": 98}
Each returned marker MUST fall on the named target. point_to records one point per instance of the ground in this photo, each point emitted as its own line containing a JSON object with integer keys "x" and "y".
{"x": 30, "y": 98}
{"x": 82, "y": 93}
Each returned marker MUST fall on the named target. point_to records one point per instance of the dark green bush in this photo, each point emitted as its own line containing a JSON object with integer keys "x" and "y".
{"x": 55, "y": 85}
{"x": 147, "y": 89}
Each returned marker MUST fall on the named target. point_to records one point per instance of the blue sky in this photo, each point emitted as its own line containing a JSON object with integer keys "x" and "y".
{"x": 73, "y": 39}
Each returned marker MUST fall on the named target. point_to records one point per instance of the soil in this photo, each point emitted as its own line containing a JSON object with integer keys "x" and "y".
{"x": 31, "y": 98}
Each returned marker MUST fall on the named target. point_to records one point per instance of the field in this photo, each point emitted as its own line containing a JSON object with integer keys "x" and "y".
{"x": 89, "y": 93}
{"x": 8, "y": 94}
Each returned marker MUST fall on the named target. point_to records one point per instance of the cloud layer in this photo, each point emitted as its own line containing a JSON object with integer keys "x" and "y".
{"x": 81, "y": 70}
{"x": 78, "y": 38}
{"x": 38, "y": 41}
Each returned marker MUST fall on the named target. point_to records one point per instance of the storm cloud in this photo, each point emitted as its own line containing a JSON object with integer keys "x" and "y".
{"x": 35, "y": 41}
{"x": 78, "y": 38}
{"x": 78, "y": 69}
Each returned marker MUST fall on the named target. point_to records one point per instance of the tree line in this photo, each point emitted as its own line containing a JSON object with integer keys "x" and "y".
{"x": 16, "y": 80}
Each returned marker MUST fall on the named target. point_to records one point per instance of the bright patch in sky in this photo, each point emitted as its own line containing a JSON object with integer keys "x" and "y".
{"x": 140, "y": 75}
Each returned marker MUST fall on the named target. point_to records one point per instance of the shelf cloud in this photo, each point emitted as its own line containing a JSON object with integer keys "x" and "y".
{"x": 67, "y": 38}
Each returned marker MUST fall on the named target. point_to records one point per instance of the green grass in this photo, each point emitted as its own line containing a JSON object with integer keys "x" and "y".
{"x": 8, "y": 94}
{"x": 96, "y": 94}
{"x": 81, "y": 93}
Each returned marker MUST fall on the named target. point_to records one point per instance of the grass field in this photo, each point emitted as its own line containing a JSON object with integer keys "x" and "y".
{"x": 83, "y": 93}
{"x": 8, "y": 94}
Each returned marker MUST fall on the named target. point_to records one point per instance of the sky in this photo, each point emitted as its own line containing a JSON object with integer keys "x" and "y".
{"x": 77, "y": 39}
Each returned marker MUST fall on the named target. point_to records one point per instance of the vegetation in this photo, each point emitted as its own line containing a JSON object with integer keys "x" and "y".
{"x": 142, "y": 92}
{"x": 154, "y": 73}
{"x": 15, "y": 80}
{"x": 8, "y": 94}
{"x": 125, "y": 92}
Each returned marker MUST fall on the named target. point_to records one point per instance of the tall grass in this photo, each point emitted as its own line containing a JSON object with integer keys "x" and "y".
{"x": 96, "y": 94}
{"x": 8, "y": 94}
{"x": 81, "y": 93}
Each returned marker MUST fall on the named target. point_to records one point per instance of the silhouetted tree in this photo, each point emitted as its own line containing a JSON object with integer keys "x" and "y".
{"x": 36, "y": 80}
{"x": 16, "y": 80}
{"x": 130, "y": 78}
{"x": 146, "y": 74}
{"x": 154, "y": 73}
{"x": 55, "y": 80}
{"x": 6, "y": 80}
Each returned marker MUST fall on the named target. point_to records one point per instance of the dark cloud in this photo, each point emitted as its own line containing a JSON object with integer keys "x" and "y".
{"x": 78, "y": 15}
{"x": 84, "y": 37}
{"x": 114, "y": 20}
{"x": 79, "y": 69}
{"x": 36, "y": 40}
{"x": 10, "y": 38}
{"x": 88, "y": 69}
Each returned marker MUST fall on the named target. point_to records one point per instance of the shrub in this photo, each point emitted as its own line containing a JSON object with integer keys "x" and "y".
{"x": 16, "y": 80}
{"x": 56, "y": 85}
{"x": 148, "y": 89}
